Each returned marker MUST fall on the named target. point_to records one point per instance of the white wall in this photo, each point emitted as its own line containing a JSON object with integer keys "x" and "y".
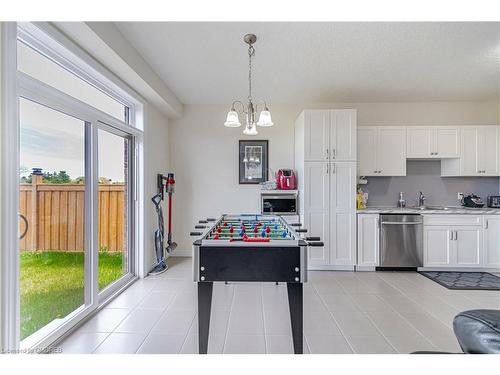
{"x": 204, "y": 154}
{"x": 156, "y": 160}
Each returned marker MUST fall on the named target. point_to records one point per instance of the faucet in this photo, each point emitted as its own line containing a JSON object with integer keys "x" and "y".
{"x": 421, "y": 200}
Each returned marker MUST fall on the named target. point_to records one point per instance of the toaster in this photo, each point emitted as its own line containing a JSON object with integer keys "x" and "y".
{"x": 493, "y": 201}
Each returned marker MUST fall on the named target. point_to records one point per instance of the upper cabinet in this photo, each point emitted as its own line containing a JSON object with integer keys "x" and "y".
{"x": 381, "y": 151}
{"x": 343, "y": 135}
{"x": 433, "y": 142}
{"x": 479, "y": 153}
{"x": 329, "y": 135}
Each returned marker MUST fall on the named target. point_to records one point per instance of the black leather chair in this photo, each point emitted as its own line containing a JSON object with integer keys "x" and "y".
{"x": 478, "y": 331}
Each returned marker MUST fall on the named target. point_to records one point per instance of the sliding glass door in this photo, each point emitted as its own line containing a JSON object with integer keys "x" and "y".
{"x": 52, "y": 205}
{"x": 114, "y": 209}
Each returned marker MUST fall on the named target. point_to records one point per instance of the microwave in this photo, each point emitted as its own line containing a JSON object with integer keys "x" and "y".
{"x": 279, "y": 204}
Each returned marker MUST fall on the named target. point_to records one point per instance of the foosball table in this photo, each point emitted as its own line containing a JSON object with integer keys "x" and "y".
{"x": 250, "y": 248}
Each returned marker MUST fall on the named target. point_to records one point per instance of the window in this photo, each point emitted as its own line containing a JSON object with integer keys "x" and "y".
{"x": 43, "y": 69}
{"x": 77, "y": 180}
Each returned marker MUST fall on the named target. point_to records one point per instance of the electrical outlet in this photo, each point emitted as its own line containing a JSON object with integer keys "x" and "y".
{"x": 460, "y": 196}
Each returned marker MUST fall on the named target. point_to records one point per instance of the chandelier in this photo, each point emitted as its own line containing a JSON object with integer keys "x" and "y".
{"x": 233, "y": 120}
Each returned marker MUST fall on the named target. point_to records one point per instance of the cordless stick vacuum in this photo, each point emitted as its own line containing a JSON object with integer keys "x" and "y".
{"x": 164, "y": 183}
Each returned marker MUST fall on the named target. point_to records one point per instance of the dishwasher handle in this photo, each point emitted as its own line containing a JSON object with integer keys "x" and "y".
{"x": 401, "y": 222}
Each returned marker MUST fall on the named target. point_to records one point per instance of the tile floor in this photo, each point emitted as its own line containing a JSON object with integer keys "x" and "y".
{"x": 344, "y": 312}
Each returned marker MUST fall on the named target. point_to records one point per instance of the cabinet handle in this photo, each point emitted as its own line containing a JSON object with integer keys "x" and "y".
{"x": 451, "y": 235}
{"x": 456, "y": 235}
{"x": 327, "y": 154}
{"x": 333, "y": 168}
{"x": 327, "y": 168}
{"x": 334, "y": 154}
{"x": 486, "y": 224}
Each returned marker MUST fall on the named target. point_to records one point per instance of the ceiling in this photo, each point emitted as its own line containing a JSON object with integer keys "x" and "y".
{"x": 307, "y": 62}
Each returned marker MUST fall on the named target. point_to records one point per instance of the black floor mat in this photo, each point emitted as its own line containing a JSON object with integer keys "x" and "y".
{"x": 464, "y": 280}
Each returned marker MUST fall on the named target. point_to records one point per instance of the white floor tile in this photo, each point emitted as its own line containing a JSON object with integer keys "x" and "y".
{"x": 139, "y": 321}
{"x": 320, "y": 323}
{"x": 279, "y": 344}
{"x": 175, "y": 322}
{"x": 121, "y": 343}
{"x": 355, "y": 323}
{"x": 407, "y": 345}
{"x": 157, "y": 300}
{"x": 277, "y": 321}
{"x": 245, "y": 344}
{"x": 82, "y": 343}
{"x": 246, "y": 322}
{"x": 215, "y": 344}
{"x": 327, "y": 344}
{"x": 370, "y": 345}
{"x": 157, "y": 343}
{"x": 105, "y": 320}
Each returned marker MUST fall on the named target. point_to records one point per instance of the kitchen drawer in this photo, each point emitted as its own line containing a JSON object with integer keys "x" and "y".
{"x": 448, "y": 220}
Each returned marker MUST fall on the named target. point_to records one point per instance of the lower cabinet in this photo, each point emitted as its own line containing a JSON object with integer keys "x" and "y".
{"x": 453, "y": 246}
{"x": 491, "y": 241}
{"x": 368, "y": 240}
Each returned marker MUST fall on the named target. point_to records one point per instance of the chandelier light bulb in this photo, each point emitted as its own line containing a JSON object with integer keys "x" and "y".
{"x": 232, "y": 119}
{"x": 265, "y": 119}
{"x": 250, "y": 130}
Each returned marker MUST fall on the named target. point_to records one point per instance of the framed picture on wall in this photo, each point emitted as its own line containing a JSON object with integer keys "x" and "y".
{"x": 253, "y": 160}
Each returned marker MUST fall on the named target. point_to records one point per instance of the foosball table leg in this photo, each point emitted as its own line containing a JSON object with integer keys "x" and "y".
{"x": 204, "y": 307}
{"x": 295, "y": 303}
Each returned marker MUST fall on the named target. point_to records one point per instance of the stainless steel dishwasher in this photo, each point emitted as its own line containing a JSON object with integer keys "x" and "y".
{"x": 401, "y": 241}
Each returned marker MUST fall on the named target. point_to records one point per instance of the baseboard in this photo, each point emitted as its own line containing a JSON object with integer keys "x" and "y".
{"x": 181, "y": 253}
{"x": 365, "y": 268}
{"x": 330, "y": 268}
{"x": 459, "y": 269}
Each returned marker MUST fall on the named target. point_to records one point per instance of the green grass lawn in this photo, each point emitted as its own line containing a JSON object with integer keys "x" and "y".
{"x": 52, "y": 284}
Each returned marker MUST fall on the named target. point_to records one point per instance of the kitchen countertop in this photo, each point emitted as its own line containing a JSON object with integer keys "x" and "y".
{"x": 431, "y": 210}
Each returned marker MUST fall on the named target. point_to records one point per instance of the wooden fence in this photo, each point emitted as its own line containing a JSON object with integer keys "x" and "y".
{"x": 56, "y": 216}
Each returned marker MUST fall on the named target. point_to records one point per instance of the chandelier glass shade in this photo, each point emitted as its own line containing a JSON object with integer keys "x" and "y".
{"x": 250, "y": 110}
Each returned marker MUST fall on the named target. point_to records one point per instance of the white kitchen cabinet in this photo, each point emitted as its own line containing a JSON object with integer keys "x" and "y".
{"x": 480, "y": 151}
{"x": 342, "y": 213}
{"x": 329, "y": 135}
{"x": 343, "y": 135}
{"x": 419, "y": 142}
{"x": 367, "y": 145}
{"x": 437, "y": 246}
{"x": 491, "y": 241}
{"x": 316, "y": 195}
{"x": 467, "y": 246}
{"x": 457, "y": 244}
{"x": 446, "y": 142}
{"x": 316, "y": 135}
{"x": 325, "y": 161}
{"x": 382, "y": 151}
{"x": 432, "y": 142}
{"x": 368, "y": 240}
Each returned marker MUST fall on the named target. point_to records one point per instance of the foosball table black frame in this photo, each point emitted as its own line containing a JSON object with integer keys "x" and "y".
{"x": 274, "y": 261}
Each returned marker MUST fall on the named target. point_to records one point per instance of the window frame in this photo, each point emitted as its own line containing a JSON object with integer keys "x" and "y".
{"x": 47, "y": 40}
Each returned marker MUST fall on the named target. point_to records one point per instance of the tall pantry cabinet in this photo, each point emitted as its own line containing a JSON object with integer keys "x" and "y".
{"x": 325, "y": 161}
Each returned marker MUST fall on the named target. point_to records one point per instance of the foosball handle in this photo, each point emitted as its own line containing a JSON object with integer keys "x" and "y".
{"x": 195, "y": 233}
{"x": 200, "y": 226}
{"x": 313, "y": 239}
{"x": 316, "y": 243}
{"x": 203, "y": 222}
{"x": 301, "y": 230}
{"x": 295, "y": 225}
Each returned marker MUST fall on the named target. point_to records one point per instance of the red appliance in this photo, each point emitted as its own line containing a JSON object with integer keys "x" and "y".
{"x": 286, "y": 180}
